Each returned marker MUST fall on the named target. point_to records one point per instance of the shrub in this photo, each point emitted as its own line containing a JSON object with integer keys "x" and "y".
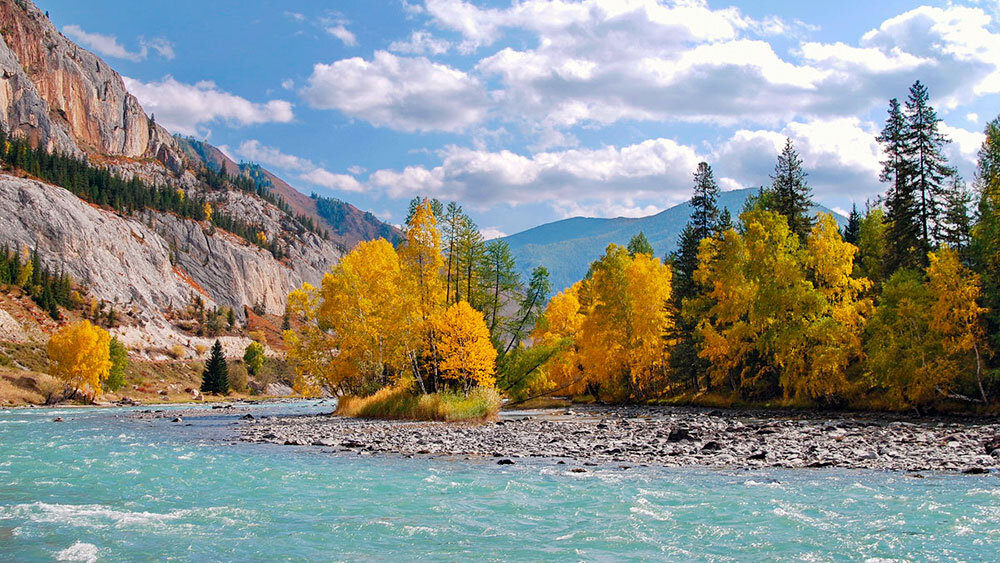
{"x": 403, "y": 402}
{"x": 177, "y": 351}
{"x": 200, "y": 350}
{"x": 239, "y": 380}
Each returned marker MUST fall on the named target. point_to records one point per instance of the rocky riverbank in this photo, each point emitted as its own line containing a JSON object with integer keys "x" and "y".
{"x": 662, "y": 436}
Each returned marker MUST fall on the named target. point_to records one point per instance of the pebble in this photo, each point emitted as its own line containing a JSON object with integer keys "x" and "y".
{"x": 665, "y": 436}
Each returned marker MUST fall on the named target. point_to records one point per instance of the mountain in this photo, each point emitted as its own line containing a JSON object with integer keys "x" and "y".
{"x": 567, "y": 247}
{"x": 256, "y": 239}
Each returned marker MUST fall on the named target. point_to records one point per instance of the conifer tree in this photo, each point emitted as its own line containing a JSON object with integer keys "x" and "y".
{"x": 500, "y": 278}
{"x": 639, "y": 244}
{"x": 924, "y": 144}
{"x": 902, "y": 212}
{"x": 792, "y": 196}
{"x": 704, "y": 212}
{"x": 532, "y": 305}
{"x": 955, "y": 229}
{"x": 215, "y": 377}
{"x": 853, "y": 229}
{"x": 985, "y": 247}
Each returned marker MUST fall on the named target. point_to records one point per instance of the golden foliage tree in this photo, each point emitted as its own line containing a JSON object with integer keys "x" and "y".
{"x": 311, "y": 349}
{"x": 557, "y": 329}
{"x": 79, "y": 355}
{"x": 365, "y": 309}
{"x": 463, "y": 343}
{"x": 621, "y": 338}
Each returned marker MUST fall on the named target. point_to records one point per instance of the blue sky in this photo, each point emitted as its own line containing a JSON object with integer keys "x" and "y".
{"x": 536, "y": 110}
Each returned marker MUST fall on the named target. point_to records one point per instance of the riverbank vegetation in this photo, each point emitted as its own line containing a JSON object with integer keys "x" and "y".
{"x": 896, "y": 309}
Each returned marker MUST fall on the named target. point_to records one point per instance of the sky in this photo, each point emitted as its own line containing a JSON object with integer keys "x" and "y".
{"x": 530, "y": 111}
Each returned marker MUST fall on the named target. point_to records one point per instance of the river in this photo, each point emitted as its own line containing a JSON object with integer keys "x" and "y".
{"x": 106, "y": 486}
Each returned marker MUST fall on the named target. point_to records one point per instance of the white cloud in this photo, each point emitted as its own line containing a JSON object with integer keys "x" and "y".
{"x": 656, "y": 172}
{"x": 343, "y": 182}
{"x": 184, "y": 108}
{"x": 402, "y": 93}
{"x": 345, "y": 35}
{"x": 108, "y": 45}
{"x": 357, "y": 170}
{"x": 288, "y": 84}
{"x": 421, "y": 42}
{"x": 254, "y": 151}
{"x": 490, "y": 233}
{"x": 972, "y": 117}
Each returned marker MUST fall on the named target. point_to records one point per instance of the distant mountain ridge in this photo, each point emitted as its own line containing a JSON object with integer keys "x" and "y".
{"x": 567, "y": 247}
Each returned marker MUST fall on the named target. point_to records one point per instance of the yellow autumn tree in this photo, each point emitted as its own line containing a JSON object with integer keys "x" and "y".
{"x": 208, "y": 211}
{"x": 362, "y": 303}
{"x": 956, "y": 317}
{"x": 467, "y": 355}
{"x": 311, "y": 351}
{"x": 79, "y": 355}
{"x": 815, "y": 362}
{"x": 421, "y": 283}
{"x": 621, "y": 338}
{"x": 558, "y": 328}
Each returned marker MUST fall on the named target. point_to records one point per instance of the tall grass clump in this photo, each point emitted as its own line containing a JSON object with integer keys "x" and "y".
{"x": 403, "y": 402}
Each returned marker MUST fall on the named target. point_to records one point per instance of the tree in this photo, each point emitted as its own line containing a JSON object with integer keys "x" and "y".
{"x": 422, "y": 262}
{"x": 852, "y": 232}
{"x": 311, "y": 348}
{"x": 450, "y": 226}
{"x": 118, "y": 355}
{"x": 532, "y": 304}
{"x": 621, "y": 345}
{"x": 955, "y": 228}
{"x": 871, "y": 256}
{"x": 985, "y": 243}
{"x": 639, "y": 244}
{"x": 704, "y": 209}
{"x": 499, "y": 274}
{"x": 902, "y": 213}
{"x": 924, "y": 144}
{"x": 254, "y": 357}
{"x": 79, "y": 355}
{"x": 215, "y": 377}
{"x": 558, "y": 330}
{"x": 370, "y": 319}
{"x": 792, "y": 196}
{"x": 467, "y": 355}
{"x": 469, "y": 251}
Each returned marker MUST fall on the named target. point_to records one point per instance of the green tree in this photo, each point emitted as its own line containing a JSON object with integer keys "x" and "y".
{"x": 500, "y": 279}
{"x": 902, "y": 213}
{"x": 639, "y": 244}
{"x": 985, "y": 244}
{"x": 704, "y": 208}
{"x": 119, "y": 363}
{"x": 871, "y": 257}
{"x": 924, "y": 150}
{"x": 792, "y": 196}
{"x": 955, "y": 228}
{"x": 852, "y": 231}
{"x": 532, "y": 306}
{"x": 215, "y": 377}
{"x": 254, "y": 357}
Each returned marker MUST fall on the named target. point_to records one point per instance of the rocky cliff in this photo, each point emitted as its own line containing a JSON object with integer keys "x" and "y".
{"x": 62, "y": 97}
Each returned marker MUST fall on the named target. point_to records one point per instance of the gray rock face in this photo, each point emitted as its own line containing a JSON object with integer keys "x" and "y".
{"x": 128, "y": 260}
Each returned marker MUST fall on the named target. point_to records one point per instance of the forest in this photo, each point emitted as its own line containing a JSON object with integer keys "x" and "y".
{"x": 898, "y": 310}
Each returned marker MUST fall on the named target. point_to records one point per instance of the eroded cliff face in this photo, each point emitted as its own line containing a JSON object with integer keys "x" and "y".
{"x": 85, "y": 96}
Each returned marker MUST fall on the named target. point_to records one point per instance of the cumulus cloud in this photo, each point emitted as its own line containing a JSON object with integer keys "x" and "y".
{"x": 341, "y": 32}
{"x": 657, "y": 171}
{"x": 255, "y": 151}
{"x": 490, "y": 233}
{"x": 108, "y": 45}
{"x": 184, "y": 108}
{"x": 421, "y": 42}
{"x": 402, "y": 93}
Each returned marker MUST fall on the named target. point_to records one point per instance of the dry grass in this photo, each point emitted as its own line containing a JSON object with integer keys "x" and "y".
{"x": 402, "y": 402}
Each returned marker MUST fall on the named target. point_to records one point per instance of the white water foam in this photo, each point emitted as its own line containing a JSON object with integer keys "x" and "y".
{"x": 79, "y": 551}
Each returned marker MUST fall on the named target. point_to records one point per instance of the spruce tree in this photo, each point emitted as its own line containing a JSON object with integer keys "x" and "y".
{"x": 792, "y": 196}
{"x": 215, "y": 378}
{"x": 924, "y": 145}
{"x": 704, "y": 212}
{"x": 955, "y": 229}
{"x": 985, "y": 248}
{"x": 853, "y": 229}
{"x": 639, "y": 244}
{"x": 902, "y": 214}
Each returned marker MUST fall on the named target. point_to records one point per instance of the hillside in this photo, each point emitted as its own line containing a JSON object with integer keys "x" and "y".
{"x": 162, "y": 226}
{"x": 568, "y": 247}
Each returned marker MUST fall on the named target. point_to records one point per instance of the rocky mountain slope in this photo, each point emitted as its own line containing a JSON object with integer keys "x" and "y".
{"x": 64, "y": 98}
{"x": 568, "y": 247}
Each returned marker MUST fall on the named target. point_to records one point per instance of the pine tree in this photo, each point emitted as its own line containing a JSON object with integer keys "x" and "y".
{"x": 853, "y": 229}
{"x": 704, "y": 213}
{"x": 215, "y": 378}
{"x": 902, "y": 213}
{"x": 532, "y": 305}
{"x": 792, "y": 196}
{"x": 985, "y": 249}
{"x": 955, "y": 229}
{"x": 500, "y": 278}
{"x": 924, "y": 144}
{"x": 725, "y": 222}
{"x": 639, "y": 244}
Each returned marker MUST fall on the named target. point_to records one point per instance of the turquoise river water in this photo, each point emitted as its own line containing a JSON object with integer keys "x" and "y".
{"x": 102, "y": 486}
